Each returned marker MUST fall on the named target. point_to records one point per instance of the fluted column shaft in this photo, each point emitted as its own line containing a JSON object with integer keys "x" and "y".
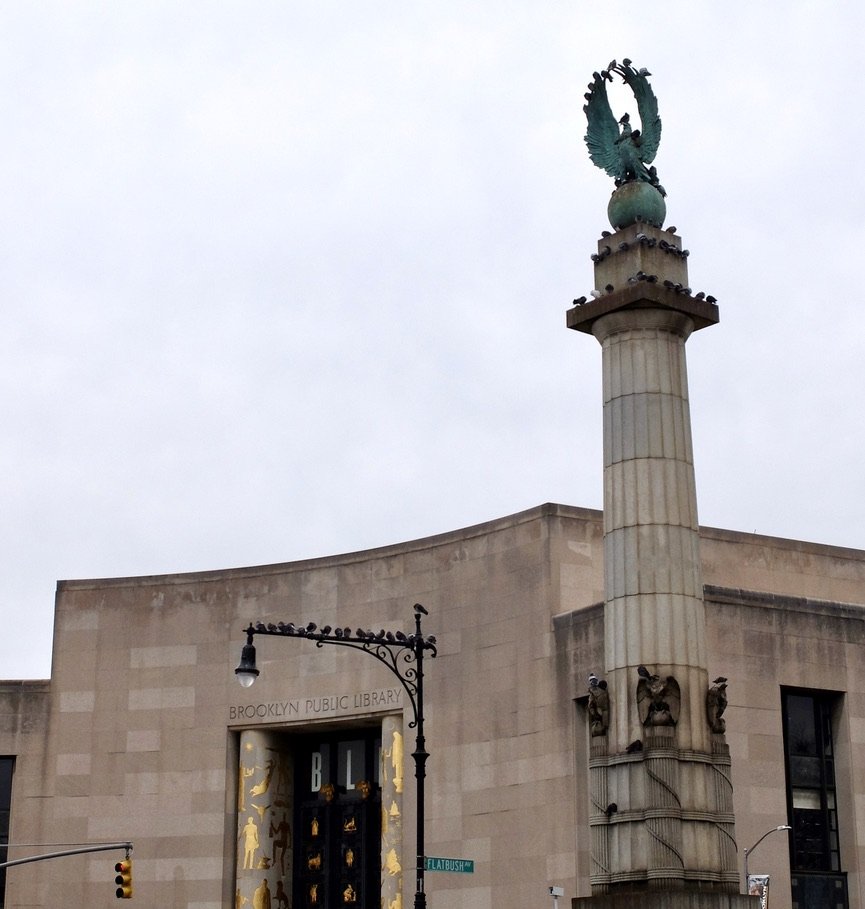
{"x": 654, "y": 611}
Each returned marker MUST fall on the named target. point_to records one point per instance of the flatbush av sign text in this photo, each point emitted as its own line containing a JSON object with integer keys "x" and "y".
{"x": 316, "y": 706}
{"x": 454, "y": 865}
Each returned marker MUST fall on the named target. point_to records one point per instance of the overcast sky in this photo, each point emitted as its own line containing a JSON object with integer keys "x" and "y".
{"x": 286, "y": 279}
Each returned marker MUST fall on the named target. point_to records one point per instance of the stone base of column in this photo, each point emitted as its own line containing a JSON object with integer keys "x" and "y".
{"x": 662, "y": 817}
{"x": 674, "y": 899}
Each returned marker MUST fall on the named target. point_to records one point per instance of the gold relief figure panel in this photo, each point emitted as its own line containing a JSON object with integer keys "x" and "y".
{"x": 394, "y": 810}
{"x": 314, "y": 827}
{"x": 313, "y": 894}
{"x": 264, "y": 785}
{"x": 282, "y": 786}
{"x": 349, "y": 857}
{"x": 383, "y": 756}
{"x": 251, "y": 842}
{"x": 349, "y": 825}
{"x": 244, "y": 774}
{"x": 313, "y": 861}
{"x": 391, "y": 863}
{"x": 396, "y": 752}
{"x": 396, "y": 902}
{"x": 364, "y": 787}
{"x": 261, "y": 809}
{"x": 261, "y": 896}
{"x": 328, "y": 790}
{"x": 280, "y": 835}
{"x": 349, "y": 895}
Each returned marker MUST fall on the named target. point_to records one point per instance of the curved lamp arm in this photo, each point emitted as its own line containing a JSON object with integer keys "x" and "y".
{"x": 747, "y": 852}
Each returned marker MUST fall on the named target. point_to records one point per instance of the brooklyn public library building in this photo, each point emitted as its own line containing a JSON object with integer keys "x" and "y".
{"x": 616, "y": 709}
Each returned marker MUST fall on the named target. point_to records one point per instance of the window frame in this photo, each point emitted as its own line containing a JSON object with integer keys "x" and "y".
{"x": 815, "y": 874}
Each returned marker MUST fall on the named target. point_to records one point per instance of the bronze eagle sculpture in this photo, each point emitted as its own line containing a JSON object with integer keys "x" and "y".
{"x": 615, "y": 146}
{"x": 658, "y": 699}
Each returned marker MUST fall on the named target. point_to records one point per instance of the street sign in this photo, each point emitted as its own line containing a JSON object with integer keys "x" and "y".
{"x": 454, "y": 865}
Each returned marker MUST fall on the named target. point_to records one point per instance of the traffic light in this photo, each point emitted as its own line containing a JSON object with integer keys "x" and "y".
{"x": 123, "y": 879}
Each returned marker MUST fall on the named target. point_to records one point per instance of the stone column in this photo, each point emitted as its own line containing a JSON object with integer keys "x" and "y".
{"x": 264, "y": 819}
{"x": 667, "y": 814}
{"x": 654, "y": 613}
{"x": 392, "y": 777}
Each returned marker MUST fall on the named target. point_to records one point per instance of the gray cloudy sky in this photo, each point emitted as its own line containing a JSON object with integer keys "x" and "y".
{"x": 285, "y": 279}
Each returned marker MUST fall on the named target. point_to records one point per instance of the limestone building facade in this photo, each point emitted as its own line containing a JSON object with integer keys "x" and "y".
{"x": 299, "y": 791}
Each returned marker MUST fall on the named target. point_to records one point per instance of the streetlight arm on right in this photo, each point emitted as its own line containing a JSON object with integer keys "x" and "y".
{"x": 747, "y": 852}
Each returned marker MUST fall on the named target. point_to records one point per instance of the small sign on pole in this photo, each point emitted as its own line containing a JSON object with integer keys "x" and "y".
{"x": 758, "y": 885}
{"x": 453, "y": 865}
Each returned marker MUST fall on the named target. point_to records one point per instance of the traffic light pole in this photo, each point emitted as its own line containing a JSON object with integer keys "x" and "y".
{"x": 102, "y": 847}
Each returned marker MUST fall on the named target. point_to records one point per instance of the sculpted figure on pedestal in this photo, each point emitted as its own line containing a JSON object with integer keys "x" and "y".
{"x": 615, "y": 146}
{"x": 599, "y": 706}
{"x": 658, "y": 700}
{"x": 716, "y": 704}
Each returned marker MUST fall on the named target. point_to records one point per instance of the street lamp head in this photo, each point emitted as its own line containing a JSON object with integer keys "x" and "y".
{"x": 247, "y": 671}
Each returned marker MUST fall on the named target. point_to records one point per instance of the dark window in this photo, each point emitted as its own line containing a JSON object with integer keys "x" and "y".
{"x": 815, "y": 856}
{"x": 7, "y": 765}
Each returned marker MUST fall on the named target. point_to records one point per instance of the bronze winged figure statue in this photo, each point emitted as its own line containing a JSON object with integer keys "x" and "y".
{"x": 615, "y": 146}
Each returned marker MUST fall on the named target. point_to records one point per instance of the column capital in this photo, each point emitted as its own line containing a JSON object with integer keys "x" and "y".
{"x": 638, "y": 298}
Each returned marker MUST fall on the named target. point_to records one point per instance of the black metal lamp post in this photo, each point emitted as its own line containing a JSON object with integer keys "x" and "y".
{"x": 403, "y": 654}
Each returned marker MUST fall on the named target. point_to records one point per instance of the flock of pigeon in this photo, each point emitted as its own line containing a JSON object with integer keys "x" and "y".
{"x": 649, "y": 242}
{"x": 311, "y": 630}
